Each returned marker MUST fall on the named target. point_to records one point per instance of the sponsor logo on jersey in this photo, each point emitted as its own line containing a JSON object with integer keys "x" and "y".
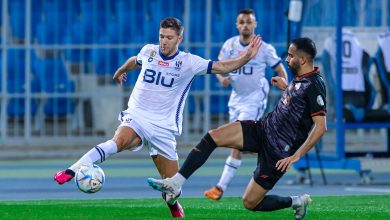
{"x": 245, "y": 70}
{"x": 151, "y": 76}
{"x": 241, "y": 52}
{"x": 163, "y": 63}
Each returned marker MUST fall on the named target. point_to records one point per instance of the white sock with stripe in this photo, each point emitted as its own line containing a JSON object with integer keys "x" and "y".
{"x": 231, "y": 166}
{"x": 97, "y": 154}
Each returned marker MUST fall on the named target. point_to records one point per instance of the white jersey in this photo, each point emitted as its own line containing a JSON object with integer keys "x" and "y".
{"x": 352, "y": 57}
{"x": 384, "y": 44}
{"x": 250, "y": 87}
{"x": 162, "y": 86}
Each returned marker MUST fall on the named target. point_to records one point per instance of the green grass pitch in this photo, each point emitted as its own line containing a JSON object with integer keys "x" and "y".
{"x": 329, "y": 207}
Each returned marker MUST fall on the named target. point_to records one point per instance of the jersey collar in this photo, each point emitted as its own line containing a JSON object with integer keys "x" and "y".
{"x": 316, "y": 70}
{"x": 167, "y": 58}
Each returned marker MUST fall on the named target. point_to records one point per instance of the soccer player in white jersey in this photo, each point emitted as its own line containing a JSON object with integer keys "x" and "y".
{"x": 155, "y": 108}
{"x": 249, "y": 96}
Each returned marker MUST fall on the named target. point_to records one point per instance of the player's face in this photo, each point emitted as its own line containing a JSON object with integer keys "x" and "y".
{"x": 246, "y": 23}
{"x": 169, "y": 41}
{"x": 293, "y": 60}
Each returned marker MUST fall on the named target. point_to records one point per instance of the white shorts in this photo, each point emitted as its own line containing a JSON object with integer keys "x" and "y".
{"x": 246, "y": 113}
{"x": 158, "y": 140}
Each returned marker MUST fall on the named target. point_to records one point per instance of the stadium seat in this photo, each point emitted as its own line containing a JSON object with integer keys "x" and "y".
{"x": 105, "y": 61}
{"x": 16, "y": 84}
{"x": 17, "y": 19}
{"x": 54, "y": 80}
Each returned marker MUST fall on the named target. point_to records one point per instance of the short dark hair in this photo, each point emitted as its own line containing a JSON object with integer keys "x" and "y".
{"x": 306, "y": 45}
{"x": 173, "y": 23}
{"x": 246, "y": 11}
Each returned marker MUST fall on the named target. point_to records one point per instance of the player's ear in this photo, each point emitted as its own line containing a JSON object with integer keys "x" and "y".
{"x": 303, "y": 60}
{"x": 180, "y": 38}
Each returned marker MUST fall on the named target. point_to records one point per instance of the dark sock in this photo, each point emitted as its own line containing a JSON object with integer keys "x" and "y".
{"x": 198, "y": 156}
{"x": 272, "y": 203}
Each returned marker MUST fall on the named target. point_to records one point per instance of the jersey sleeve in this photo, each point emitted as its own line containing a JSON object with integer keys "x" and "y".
{"x": 224, "y": 53}
{"x": 200, "y": 66}
{"x": 316, "y": 99}
{"x": 141, "y": 54}
{"x": 272, "y": 58}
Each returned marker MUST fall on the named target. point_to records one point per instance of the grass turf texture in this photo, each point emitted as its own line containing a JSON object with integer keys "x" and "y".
{"x": 330, "y": 207}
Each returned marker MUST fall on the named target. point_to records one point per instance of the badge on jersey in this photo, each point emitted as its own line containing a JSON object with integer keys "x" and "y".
{"x": 320, "y": 100}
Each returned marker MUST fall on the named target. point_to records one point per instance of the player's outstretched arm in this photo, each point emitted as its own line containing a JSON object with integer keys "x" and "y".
{"x": 315, "y": 134}
{"x": 129, "y": 65}
{"x": 225, "y": 66}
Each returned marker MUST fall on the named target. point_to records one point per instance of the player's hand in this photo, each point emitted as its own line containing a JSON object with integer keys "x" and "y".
{"x": 120, "y": 78}
{"x": 253, "y": 47}
{"x": 279, "y": 82}
{"x": 285, "y": 164}
{"x": 225, "y": 81}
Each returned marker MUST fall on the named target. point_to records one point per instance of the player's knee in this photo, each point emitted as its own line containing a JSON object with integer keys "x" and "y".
{"x": 121, "y": 143}
{"x": 214, "y": 134}
{"x": 248, "y": 203}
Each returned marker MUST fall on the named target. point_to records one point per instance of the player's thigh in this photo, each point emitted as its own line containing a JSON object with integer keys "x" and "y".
{"x": 126, "y": 138}
{"x": 166, "y": 167}
{"x": 228, "y": 135}
{"x": 253, "y": 195}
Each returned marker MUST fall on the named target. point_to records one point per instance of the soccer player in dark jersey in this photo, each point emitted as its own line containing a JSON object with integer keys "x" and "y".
{"x": 281, "y": 138}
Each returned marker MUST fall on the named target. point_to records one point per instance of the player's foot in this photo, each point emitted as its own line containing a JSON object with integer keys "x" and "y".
{"x": 176, "y": 210}
{"x": 168, "y": 186}
{"x": 64, "y": 176}
{"x": 215, "y": 193}
{"x": 300, "y": 209}
{"x": 174, "y": 206}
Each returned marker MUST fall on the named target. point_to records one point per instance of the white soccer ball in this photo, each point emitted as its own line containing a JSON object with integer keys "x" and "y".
{"x": 90, "y": 178}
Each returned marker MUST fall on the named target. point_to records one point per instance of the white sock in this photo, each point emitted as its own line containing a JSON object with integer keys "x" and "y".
{"x": 180, "y": 179}
{"x": 295, "y": 201}
{"x": 97, "y": 154}
{"x": 231, "y": 166}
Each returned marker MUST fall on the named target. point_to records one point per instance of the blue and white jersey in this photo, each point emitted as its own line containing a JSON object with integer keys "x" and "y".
{"x": 352, "y": 58}
{"x": 250, "y": 87}
{"x": 162, "y": 86}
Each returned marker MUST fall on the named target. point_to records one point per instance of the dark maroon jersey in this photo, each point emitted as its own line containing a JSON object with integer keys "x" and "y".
{"x": 289, "y": 124}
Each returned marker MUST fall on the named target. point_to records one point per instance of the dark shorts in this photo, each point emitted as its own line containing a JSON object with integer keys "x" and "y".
{"x": 255, "y": 141}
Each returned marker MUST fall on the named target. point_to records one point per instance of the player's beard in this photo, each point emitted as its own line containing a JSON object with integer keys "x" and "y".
{"x": 294, "y": 67}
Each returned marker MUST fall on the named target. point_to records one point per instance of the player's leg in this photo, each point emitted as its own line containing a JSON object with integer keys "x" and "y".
{"x": 229, "y": 135}
{"x": 168, "y": 168}
{"x": 255, "y": 199}
{"x": 233, "y": 162}
{"x": 124, "y": 138}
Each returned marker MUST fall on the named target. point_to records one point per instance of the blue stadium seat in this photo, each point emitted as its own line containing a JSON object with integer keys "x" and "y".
{"x": 17, "y": 19}
{"x": 16, "y": 84}
{"x": 105, "y": 61}
{"x": 54, "y": 79}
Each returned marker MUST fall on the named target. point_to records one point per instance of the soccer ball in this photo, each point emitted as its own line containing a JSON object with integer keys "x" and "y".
{"x": 90, "y": 178}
